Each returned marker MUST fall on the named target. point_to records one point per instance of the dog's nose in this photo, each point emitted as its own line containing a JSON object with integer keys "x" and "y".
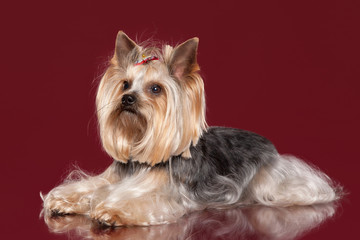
{"x": 128, "y": 100}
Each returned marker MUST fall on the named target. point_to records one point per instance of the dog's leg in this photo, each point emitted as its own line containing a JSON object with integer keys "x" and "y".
{"x": 74, "y": 195}
{"x": 290, "y": 181}
{"x": 145, "y": 198}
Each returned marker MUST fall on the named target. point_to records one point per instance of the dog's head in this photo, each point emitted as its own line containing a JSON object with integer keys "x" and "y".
{"x": 150, "y": 101}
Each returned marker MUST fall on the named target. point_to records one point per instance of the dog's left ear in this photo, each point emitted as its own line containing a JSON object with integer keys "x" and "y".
{"x": 123, "y": 47}
{"x": 183, "y": 61}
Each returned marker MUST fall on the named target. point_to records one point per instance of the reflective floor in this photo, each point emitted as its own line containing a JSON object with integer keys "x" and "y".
{"x": 288, "y": 70}
{"x": 241, "y": 223}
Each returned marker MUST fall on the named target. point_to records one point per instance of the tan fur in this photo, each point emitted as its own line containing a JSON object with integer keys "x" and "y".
{"x": 161, "y": 125}
{"x": 75, "y": 194}
{"x": 290, "y": 181}
{"x": 150, "y": 207}
{"x": 144, "y": 198}
{"x": 257, "y": 222}
{"x": 167, "y": 124}
{"x": 149, "y": 113}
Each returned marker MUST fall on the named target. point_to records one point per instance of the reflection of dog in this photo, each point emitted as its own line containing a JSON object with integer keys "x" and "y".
{"x": 151, "y": 112}
{"x": 256, "y": 222}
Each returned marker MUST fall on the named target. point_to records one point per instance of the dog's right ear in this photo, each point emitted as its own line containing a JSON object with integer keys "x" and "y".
{"x": 123, "y": 47}
{"x": 183, "y": 60}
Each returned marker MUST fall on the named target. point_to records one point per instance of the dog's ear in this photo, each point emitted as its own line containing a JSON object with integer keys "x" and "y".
{"x": 123, "y": 47}
{"x": 183, "y": 60}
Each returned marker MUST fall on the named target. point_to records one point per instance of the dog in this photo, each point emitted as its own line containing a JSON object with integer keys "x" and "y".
{"x": 167, "y": 161}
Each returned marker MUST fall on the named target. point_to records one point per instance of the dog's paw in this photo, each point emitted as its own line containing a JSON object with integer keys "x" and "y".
{"x": 57, "y": 212}
{"x": 60, "y": 206}
{"x": 106, "y": 217}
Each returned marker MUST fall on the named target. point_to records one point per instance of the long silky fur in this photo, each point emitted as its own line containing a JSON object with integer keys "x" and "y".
{"x": 229, "y": 167}
{"x": 165, "y": 127}
{"x": 167, "y": 162}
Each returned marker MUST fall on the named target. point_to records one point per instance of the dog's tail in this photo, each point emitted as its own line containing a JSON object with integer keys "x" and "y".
{"x": 290, "y": 181}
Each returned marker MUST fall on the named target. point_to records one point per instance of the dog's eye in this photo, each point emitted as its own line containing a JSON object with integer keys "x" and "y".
{"x": 126, "y": 85}
{"x": 155, "y": 88}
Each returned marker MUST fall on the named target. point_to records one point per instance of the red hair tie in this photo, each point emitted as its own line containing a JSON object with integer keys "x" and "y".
{"x": 146, "y": 60}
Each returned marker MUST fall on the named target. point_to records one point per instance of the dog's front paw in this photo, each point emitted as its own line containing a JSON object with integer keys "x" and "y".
{"x": 107, "y": 217}
{"x": 65, "y": 205}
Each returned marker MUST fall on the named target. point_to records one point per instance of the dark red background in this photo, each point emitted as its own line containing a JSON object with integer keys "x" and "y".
{"x": 288, "y": 70}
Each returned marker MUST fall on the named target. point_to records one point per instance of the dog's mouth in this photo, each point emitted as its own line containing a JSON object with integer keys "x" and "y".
{"x": 131, "y": 118}
{"x": 128, "y": 110}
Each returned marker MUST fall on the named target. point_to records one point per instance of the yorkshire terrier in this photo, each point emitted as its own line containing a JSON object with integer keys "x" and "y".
{"x": 167, "y": 161}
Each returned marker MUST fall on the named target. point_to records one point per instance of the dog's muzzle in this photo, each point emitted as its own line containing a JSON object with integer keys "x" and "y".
{"x": 128, "y": 100}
